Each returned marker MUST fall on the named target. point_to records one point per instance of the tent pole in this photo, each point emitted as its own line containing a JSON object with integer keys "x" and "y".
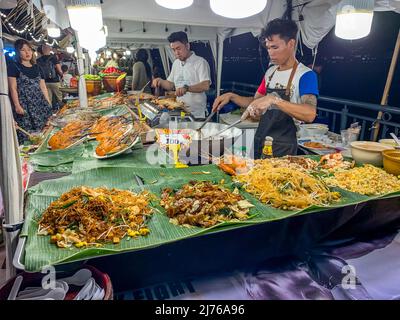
{"x": 386, "y": 91}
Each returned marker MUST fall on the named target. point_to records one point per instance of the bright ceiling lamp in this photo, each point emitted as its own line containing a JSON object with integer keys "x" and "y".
{"x": 92, "y": 40}
{"x": 52, "y": 30}
{"x": 354, "y": 19}
{"x": 85, "y": 14}
{"x": 174, "y": 4}
{"x": 237, "y": 9}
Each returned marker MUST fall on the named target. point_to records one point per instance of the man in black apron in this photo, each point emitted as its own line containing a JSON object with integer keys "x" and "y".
{"x": 289, "y": 91}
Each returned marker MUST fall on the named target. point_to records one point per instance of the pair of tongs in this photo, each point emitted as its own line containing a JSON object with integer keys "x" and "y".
{"x": 205, "y": 121}
{"x": 141, "y": 117}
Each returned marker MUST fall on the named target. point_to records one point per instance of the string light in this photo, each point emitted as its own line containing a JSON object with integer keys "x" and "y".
{"x": 16, "y": 30}
{"x": 36, "y": 39}
{"x": 53, "y": 43}
{"x": 27, "y": 29}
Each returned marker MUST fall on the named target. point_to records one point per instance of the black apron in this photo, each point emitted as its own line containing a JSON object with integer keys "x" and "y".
{"x": 277, "y": 124}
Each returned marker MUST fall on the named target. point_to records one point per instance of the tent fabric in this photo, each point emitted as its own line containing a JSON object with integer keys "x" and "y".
{"x": 81, "y": 70}
{"x": 10, "y": 166}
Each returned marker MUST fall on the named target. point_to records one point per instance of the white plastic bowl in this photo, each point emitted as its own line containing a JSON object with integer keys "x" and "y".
{"x": 313, "y": 129}
{"x": 368, "y": 152}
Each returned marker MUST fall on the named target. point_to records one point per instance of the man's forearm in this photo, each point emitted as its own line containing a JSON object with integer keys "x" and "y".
{"x": 167, "y": 85}
{"x": 200, "y": 87}
{"x": 303, "y": 112}
{"x": 243, "y": 102}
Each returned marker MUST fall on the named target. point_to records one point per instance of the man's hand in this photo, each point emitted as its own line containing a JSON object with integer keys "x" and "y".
{"x": 180, "y": 92}
{"x": 156, "y": 83}
{"x": 221, "y": 101}
{"x": 260, "y": 105}
{"x": 19, "y": 110}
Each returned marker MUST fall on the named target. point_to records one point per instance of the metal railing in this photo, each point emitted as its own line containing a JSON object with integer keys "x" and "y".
{"x": 340, "y": 113}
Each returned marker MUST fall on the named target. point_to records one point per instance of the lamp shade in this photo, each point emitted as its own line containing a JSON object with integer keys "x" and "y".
{"x": 85, "y": 15}
{"x": 53, "y": 31}
{"x": 175, "y": 4}
{"x": 354, "y": 19}
{"x": 237, "y": 9}
{"x": 92, "y": 41}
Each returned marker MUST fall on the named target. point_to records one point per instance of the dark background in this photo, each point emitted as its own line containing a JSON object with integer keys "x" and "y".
{"x": 355, "y": 70}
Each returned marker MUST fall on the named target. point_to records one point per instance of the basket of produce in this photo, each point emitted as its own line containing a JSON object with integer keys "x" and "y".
{"x": 93, "y": 84}
{"x": 113, "y": 79}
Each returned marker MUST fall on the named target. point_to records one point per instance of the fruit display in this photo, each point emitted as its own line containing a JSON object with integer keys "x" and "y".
{"x": 92, "y": 77}
{"x": 110, "y": 71}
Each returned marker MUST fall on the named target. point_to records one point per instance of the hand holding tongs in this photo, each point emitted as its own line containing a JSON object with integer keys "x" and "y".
{"x": 205, "y": 121}
{"x": 141, "y": 117}
{"x": 244, "y": 116}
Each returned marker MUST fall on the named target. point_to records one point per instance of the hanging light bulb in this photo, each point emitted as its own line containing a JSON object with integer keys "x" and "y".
{"x": 174, "y": 4}
{"x": 237, "y": 9}
{"x": 108, "y": 53}
{"x": 85, "y": 15}
{"x": 92, "y": 40}
{"x": 115, "y": 56}
{"x": 354, "y": 19}
{"x": 127, "y": 52}
{"x": 70, "y": 49}
{"x": 53, "y": 31}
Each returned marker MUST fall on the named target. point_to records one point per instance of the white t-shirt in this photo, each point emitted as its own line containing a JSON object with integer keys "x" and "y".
{"x": 193, "y": 71}
{"x": 65, "y": 82}
{"x": 304, "y": 82}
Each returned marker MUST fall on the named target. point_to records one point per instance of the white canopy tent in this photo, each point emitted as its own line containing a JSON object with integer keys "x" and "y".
{"x": 144, "y": 24}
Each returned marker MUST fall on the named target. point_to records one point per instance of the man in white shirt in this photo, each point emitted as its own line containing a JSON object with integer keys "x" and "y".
{"x": 190, "y": 76}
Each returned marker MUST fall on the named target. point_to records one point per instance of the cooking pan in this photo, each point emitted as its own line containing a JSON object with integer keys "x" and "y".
{"x": 204, "y": 143}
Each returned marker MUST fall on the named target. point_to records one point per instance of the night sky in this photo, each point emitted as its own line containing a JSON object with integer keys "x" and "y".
{"x": 355, "y": 70}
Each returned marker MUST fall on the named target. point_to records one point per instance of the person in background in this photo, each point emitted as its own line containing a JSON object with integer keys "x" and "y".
{"x": 29, "y": 96}
{"x": 141, "y": 71}
{"x": 66, "y": 78}
{"x": 288, "y": 92}
{"x": 189, "y": 77}
{"x": 51, "y": 69}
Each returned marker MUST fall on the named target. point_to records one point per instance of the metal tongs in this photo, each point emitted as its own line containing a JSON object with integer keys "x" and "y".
{"x": 395, "y": 139}
{"x": 245, "y": 115}
{"x": 141, "y": 118}
{"x": 206, "y": 121}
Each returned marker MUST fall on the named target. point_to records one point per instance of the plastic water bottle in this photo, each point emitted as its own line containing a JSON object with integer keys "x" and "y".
{"x": 164, "y": 119}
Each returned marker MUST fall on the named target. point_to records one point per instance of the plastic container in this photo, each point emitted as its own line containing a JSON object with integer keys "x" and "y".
{"x": 164, "y": 119}
{"x": 368, "y": 152}
{"x": 391, "y": 161}
{"x": 35, "y": 279}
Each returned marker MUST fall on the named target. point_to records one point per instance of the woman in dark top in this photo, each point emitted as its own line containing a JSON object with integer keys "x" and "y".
{"x": 28, "y": 91}
{"x": 141, "y": 71}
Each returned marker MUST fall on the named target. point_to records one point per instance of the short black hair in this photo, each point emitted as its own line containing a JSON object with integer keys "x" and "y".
{"x": 178, "y": 36}
{"x": 64, "y": 68}
{"x": 285, "y": 29}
